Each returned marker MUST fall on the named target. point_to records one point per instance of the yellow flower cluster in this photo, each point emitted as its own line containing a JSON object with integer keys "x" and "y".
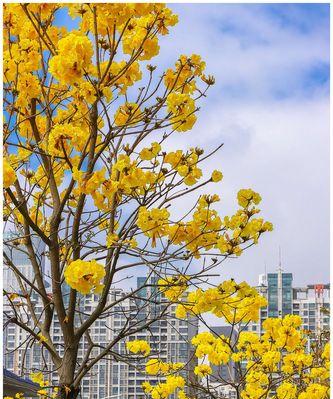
{"x": 206, "y": 230}
{"x": 203, "y": 370}
{"x": 20, "y": 56}
{"x": 28, "y": 87}
{"x": 182, "y": 108}
{"x": 275, "y": 362}
{"x": 217, "y": 176}
{"x": 203, "y": 231}
{"x": 141, "y": 36}
{"x": 173, "y": 287}
{"x": 138, "y": 346}
{"x": 127, "y": 114}
{"x": 73, "y": 59}
{"x": 91, "y": 184}
{"x": 231, "y": 301}
{"x": 132, "y": 178}
{"x": 156, "y": 366}
{"x": 181, "y": 82}
{"x": 182, "y": 78}
{"x": 126, "y": 75}
{"x": 42, "y": 338}
{"x": 282, "y": 351}
{"x": 139, "y": 23}
{"x": 314, "y": 390}
{"x": 38, "y": 378}
{"x": 147, "y": 154}
{"x": 22, "y": 50}
{"x": 9, "y": 175}
{"x": 286, "y": 391}
{"x": 246, "y": 197}
{"x": 284, "y": 332}
{"x": 64, "y": 137}
{"x": 164, "y": 389}
{"x": 85, "y": 276}
{"x": 185, "y": 164}
{"x": 154, "y": 223}
{"x": 84, "y": 94}
{"x": 125, "y": 178}
{"x": 216, "y": 349}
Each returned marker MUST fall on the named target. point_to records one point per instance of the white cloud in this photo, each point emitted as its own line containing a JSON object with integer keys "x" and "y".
{"x": 282, "y": 151}
{"x": 250, "y": 53}
{"x": 276, "y": 145}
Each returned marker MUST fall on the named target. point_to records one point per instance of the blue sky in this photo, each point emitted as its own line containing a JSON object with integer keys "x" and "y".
{"x": 270, "y": 108}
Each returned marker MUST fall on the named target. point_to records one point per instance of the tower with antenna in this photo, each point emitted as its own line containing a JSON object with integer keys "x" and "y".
{"x": 279, "y": 269}
{"x": 280, "y": 285}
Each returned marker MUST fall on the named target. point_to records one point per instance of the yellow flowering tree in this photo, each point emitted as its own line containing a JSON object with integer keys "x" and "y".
{"x": 285, "y": 362}
{"x": 87, "y": 121}
{"x": 279, "y": 364}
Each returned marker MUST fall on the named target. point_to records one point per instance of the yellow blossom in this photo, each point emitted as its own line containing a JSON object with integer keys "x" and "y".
{"x": 127, "y": 114}
{"x": 173, "y": 287}
{"x": 247, "y": 196}
{"x": 149, "y": 153}
{"x": 85, "y": 276}
{"x": 138, "y": 346}
{"x": 154, "y": 223}
{"x": 182, "y": 108}
{"x": 42, "y": 338}
{"x": 216, "y": 176}
{"x": 202, "y": 370}
{"x": 73, "y": 58}
{"x": 9, "y": 175}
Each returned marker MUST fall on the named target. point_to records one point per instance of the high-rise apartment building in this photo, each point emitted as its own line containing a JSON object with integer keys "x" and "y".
{"x": 20, "y": 258}
{"x": 225, "y": 372}
{"x": 311, "y": 303}
{"x": 13, "y": 336}
{"x": 169, "y": 337}
{"x": 280, "y": 292}
{"x": 111, "y": 377}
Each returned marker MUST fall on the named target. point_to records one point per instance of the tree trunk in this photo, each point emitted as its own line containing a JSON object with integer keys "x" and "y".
{"x": 66, "y": 394}
{"x": 67, "y": 374}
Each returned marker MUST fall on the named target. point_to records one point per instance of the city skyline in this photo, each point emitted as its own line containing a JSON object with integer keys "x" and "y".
{"x": 294, "y": 300}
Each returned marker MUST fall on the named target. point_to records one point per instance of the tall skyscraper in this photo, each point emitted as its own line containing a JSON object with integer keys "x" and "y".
{"x": 279, "y": 289}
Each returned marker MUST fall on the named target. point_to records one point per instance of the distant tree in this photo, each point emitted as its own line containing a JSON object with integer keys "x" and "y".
{"x": 87, "y": 172}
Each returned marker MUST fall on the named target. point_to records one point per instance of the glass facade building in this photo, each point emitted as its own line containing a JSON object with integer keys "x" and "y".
{"x": 287, "y": 294}
{"x": 279, "y": 294}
